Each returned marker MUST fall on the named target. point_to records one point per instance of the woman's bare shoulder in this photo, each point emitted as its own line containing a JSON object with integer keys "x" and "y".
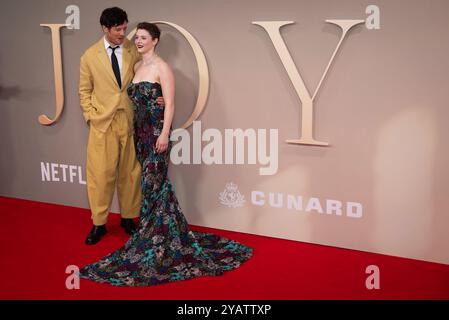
{"x": 137, "y": 65}
{"x": 163, "y": 66}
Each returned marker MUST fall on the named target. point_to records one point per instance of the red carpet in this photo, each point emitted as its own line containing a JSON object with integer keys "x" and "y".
{"x": 39, "y": 240}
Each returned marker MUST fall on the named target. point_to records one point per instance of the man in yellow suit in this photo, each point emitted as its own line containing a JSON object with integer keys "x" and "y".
{"x": 106, "y": 68}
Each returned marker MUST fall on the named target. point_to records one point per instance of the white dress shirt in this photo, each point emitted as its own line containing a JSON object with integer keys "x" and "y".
{"x": 118, "y": 54}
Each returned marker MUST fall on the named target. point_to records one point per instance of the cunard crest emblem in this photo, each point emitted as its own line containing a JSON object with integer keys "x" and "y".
{"x": 231, "y": 196}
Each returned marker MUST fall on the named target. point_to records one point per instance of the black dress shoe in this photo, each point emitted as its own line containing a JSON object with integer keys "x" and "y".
{"x": 128, "y": 225}
{"x": 95, "y": 234}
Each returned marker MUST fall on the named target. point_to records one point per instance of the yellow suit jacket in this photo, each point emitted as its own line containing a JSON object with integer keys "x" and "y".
{"x": 100, "y": 95}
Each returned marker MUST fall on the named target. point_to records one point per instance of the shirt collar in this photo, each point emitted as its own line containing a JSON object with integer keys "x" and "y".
{"x": 107, "y": 44}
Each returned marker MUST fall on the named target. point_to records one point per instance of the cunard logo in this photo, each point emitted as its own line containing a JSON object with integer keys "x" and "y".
{"x": 231, "y": 196}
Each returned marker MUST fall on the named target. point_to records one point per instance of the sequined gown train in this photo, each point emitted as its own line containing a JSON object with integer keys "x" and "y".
{"x": 163, "y": 249}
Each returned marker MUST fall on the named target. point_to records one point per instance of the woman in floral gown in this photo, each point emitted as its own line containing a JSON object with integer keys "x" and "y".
{"x": 163, "y": 248}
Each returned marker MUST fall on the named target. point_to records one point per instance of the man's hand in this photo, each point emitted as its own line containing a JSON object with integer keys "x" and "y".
{"x": 160, "y": 101}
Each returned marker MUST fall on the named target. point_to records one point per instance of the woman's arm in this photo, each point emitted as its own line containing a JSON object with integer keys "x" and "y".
{"x": 168, "y": 90}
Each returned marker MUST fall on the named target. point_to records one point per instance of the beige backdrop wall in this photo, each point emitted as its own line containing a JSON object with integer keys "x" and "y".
{"x": 382, "y": 107}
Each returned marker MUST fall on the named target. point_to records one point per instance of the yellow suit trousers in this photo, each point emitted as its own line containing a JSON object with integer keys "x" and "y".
{"x": 111, "y": 159}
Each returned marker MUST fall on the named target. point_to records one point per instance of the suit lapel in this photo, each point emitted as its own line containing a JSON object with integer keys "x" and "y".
{"x": 126, "y": 61}
{"x": 104, "y": 60}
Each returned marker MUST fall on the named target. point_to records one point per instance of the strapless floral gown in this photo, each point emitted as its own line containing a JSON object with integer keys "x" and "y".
{"x": 163, "y": 248}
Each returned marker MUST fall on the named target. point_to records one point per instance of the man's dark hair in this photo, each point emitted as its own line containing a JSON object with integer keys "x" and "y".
{"x": 114, "y": 16}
